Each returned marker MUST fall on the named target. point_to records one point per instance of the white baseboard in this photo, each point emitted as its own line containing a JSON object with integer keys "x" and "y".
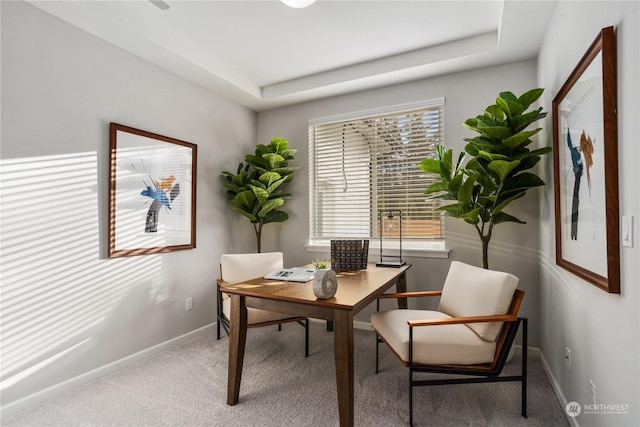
{"x": 33, "y": 399}
{"x": 556, "y": 389}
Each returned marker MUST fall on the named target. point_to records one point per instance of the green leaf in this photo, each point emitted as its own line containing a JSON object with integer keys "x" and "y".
{"x": 430, "y": 165}
{"x": 505, "y": 202}
{"x": 452, "y": 209}
{"x": 261, "y": 194}
{"x": 492, "y": 156}
{"x": 538, "y": 152}
{"x": 269, "y": 178}
{"x": 275, "y": 216}
{"x": 520, "y": 138}
{"x": 258, "y": 184}
{"x": 529, "y": 97}
{"x": 456, "y": 183}
{"x": 497, "y": 133}
{"x": 279, "y": 144}
{"x": 508, "y": 96}
{"x": 466, "y": 190}
{"x": 262, "y": 149}
{"x": 273, "y": 160}
{"x": 249, "y": 215}
{"x": 437, "y": 187}
{"x": 502, "y": 168}
{"x": 471, "y": 123}
{"x": 270, "y": 205}
{"x": 445, "y": 163}
{"x": 471, "y": 217}
{"x": 288, "y": 171}
{"x": 288, "y": 154}
{"x": 274, "y": 185}
{"x": 520, "y": 122}
{"x": 522, "y": 181}
{"x": 245, "y": 199}
{"x": 233, "y": 188}
{"x": 495, "y": 111}
{"x": 255, "y": 161}
{"x": 461, "y": 157}
{"x": 505, "y": 217}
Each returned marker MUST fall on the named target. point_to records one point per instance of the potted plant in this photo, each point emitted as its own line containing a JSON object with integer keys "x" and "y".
{"x": 255, "y": 190}
{"x": 321, "y": 264}
{"x": 325, "y": 281}
{"x": 496, "y": 174}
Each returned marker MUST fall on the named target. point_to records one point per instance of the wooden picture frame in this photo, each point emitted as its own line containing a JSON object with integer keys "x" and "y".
{"x": 585, "y": 151}
{"x": 152, "y": 192}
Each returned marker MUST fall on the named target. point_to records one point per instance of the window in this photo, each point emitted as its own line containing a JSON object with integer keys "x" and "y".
{"x": 361, "y": 165}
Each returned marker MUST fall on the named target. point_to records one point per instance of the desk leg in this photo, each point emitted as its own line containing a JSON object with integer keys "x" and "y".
{"x": 343, "y": 348}
{"x": 237, "y": 340}
{"x": 401, "y": 286}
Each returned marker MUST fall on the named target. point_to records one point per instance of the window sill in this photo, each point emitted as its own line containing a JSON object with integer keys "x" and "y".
{"x": 412, "y": 250}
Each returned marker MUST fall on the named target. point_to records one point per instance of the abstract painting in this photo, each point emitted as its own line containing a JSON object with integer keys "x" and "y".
{"x": 152, "y": 192}
{"x": 586, "y": 168}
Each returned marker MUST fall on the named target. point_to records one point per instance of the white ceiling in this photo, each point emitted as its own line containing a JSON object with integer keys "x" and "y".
{"x": 263, "y": 54}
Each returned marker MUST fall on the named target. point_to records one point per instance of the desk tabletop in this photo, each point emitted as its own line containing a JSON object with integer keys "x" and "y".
{"x": 354, "y": 288}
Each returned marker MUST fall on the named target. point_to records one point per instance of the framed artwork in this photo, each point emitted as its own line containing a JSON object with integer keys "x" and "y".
{"x": 152, "y": 193}
{"x": 585, "y": 151}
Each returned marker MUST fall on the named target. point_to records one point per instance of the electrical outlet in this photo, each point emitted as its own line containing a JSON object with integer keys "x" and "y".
{"x": 627, "y": 231}
{"x": 189, "y": 304}
{"x": 567, "y": 358}
{"x": 592, "y": 387}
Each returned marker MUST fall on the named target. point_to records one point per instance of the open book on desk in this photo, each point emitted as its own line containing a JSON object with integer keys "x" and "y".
{"x": 295, "y": 274}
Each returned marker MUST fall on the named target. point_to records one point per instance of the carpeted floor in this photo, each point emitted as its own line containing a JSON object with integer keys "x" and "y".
{"x": 186, "y": 386}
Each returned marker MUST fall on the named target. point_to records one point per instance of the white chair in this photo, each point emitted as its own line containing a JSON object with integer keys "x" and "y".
{"x": 236, "y": 268}
{"x": 469, "y": 335}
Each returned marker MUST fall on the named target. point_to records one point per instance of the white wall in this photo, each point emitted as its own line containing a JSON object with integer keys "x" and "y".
{"x": 66, "y": 308}
{"x": 513, "y": 247}
{"x": 602, "y": 330}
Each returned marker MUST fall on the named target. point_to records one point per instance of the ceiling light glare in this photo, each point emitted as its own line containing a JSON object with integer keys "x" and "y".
{"x": 298, "y": 4}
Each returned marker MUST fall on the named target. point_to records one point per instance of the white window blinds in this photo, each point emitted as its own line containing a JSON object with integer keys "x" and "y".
{"x": 363, "y": 165}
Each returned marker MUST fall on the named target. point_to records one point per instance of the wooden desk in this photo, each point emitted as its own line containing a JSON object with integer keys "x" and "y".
{"x": 356, "y": 290}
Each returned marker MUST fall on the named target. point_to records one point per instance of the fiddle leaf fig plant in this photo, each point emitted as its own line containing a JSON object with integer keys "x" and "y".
{"x": 497, "y": 172}
{"x": 255, "y": 189}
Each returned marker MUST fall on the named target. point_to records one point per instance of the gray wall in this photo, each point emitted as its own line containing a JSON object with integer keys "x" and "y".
{"x": 66, "y": 309}
{"x": 602, "y": 330}
{"x": 513, "y": 247}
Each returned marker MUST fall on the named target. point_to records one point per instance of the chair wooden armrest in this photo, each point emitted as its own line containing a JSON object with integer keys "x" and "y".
{"x": 458, "y": 320}
{"x": 222, "y": 283}
{"x": 411, "y": 294}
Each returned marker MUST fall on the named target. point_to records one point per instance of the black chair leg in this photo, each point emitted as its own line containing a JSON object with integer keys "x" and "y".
{"x": 377, "y": 344}
{"x": 306, "y": 338}
{"x": 410, "y": 397}
{"x": 524, "y": 367}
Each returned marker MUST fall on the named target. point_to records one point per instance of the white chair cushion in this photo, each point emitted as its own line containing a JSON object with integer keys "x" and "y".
{"x": 474, "y": 291}
{"x": 254, "y": 315}
{"x": 432, "y": 345}
{"x": 235, "y": 268}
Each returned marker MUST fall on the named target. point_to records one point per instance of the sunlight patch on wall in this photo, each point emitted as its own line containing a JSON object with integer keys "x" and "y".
{"x": 56, "y": 291}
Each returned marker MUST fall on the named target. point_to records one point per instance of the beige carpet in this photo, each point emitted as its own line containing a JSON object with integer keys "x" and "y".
{"x": 186, "y": 386}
